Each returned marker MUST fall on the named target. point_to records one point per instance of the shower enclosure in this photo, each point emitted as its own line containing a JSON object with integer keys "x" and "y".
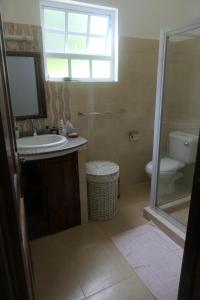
{"x": 177, "y": 123}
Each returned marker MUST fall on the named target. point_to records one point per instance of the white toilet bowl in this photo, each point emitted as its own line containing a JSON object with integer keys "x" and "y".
{"x": 170, "y": 171}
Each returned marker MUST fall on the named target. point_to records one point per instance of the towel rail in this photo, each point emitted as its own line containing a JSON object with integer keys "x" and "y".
{"x": 19, "y": 38}
{"x": 103, "y": 113}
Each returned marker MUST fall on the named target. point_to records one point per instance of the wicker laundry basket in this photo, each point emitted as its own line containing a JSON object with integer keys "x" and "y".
{"x": 102, "y": 179}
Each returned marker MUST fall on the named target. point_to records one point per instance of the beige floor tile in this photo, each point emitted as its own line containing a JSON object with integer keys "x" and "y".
{"x": 81, "y": 236}
{"x": 132, "y": 202}
{"x": 129, "y": 289}
{"x": 46, "y": 250}
{"x": 56, "y": 281}
{"x": 84, "y": 261}
{"x": 124, "y": 221}
{"x": 54, "y": 275}
{"x": 100, "y": 266}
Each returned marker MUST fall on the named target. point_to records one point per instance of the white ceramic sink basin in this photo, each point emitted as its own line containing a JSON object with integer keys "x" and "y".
{"x": 41, "y": 142}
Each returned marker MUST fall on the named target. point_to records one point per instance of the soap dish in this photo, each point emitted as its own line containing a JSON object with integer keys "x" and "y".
{"x": 72, "y": 132}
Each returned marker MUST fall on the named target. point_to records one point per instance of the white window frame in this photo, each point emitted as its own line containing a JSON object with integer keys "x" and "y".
{"x": 89, "y": 9}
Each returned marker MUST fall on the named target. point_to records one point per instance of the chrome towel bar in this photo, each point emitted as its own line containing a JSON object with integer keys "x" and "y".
{"x": 103, "y": 113}
{"x": 19, "y": 38}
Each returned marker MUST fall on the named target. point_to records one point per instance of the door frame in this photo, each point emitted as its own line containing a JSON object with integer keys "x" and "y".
{"x": 15, "y": 280}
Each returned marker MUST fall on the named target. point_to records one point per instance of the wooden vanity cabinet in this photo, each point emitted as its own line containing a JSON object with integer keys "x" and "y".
{"x": 51, "y": 194}
{"x": 62, "y": 187}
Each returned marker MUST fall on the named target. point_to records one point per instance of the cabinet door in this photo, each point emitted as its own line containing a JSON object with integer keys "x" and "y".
{"x": 62, "y": 184}
{"x": 35, "y": 198}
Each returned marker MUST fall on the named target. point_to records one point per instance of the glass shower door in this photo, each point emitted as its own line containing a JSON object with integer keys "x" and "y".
{"x": 180, "y": 123}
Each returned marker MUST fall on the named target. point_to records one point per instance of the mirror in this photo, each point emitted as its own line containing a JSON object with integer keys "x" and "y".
{"x": 26, "y": 83}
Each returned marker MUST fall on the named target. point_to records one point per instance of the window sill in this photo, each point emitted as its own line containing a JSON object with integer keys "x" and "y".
{"x": 81, "y": 81}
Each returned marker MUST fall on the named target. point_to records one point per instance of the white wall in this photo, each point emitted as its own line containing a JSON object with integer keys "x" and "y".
{"x": 192, "y": 9}
{"x": 20, "y": 11}
{"x": 137, "y": 18}
{"x": 144, "y": 18}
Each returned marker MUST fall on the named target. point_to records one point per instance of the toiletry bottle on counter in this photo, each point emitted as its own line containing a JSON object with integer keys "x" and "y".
{"x": 62, "y": 130}
{"x": 68, "y": 125}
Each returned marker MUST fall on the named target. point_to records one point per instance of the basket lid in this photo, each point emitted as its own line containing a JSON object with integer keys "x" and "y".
{"x": 101, "y": 168}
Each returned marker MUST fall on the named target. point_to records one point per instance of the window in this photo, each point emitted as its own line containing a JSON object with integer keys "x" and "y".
{"x": 80, "y": 41}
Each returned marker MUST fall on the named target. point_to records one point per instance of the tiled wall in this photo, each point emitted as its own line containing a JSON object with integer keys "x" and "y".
{"x": 134, "y": 92}
{"x": 183, "y": 100}
{"x": 58, "y": 109}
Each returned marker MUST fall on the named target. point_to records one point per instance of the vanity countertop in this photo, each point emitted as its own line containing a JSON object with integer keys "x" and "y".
{"x": 74, "y": 144}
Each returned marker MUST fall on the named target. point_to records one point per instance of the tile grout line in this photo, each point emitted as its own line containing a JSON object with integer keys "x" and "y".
{"x": 108, "y": 287}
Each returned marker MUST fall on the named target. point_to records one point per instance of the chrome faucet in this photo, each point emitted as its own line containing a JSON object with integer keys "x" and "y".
{"x": 34, "y": 127}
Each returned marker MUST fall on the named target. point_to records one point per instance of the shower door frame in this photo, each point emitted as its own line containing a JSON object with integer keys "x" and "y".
{"x": 160, "y": 94}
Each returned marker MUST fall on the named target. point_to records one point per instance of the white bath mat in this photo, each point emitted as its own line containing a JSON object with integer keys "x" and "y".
{"x": 154, "y": 257}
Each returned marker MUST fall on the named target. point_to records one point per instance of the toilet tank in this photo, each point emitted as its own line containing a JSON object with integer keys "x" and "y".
{"x": 183, "y": 146}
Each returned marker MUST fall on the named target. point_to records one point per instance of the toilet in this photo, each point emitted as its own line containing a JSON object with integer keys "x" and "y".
{"x": 182, "y": 151}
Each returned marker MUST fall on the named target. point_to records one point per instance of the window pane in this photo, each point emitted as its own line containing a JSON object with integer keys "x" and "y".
{"x": 96, "y": 46}
{"x": 77, "y": 22}
{"x": 80, "y": 68}
{"x": 109, "y": 44}
{"x": 76, "y": 44}
{"x": 100, "y": 69}
{"x": 54, "y": 19}
{"x": 99, "y": 25}
{"x": 54, "y": 42}
{"x": 57, "y": 67}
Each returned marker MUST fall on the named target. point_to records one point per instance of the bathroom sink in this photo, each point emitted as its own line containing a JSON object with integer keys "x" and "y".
{"x": 41, "y": 142}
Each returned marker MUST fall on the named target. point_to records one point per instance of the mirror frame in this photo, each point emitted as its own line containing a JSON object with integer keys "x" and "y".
{"x": 39, "y": 71}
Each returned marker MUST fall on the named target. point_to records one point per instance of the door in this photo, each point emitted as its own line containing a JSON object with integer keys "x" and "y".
{"x": 15, "y": 268}
{"x": 189, "y": 288}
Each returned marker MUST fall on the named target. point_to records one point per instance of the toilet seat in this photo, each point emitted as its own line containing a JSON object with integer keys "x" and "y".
{"x": 167, "y": 166}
